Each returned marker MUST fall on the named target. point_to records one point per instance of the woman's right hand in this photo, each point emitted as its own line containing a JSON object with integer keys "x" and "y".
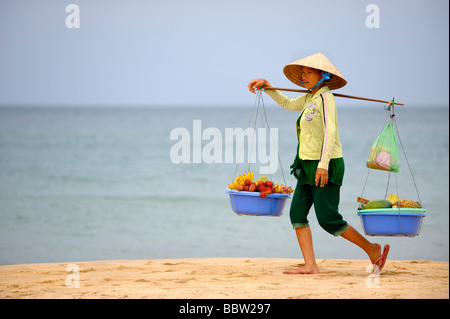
{"x": 256, "y": 84}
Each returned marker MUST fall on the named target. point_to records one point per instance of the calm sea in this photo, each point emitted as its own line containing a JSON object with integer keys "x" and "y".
{"x": 80, "y": 184}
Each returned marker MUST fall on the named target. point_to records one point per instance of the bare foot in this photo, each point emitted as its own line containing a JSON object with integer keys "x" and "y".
{"x": 377, "y": 257}
{"x": 375, "y": 253}
{"x": 304, "y": 270}
{"x": 381, "y": 261}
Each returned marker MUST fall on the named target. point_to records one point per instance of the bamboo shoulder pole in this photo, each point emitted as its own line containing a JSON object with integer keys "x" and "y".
{"x": 335, "y": 94}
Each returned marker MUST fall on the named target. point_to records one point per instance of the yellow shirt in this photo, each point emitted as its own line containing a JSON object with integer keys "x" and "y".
{"x": 317, "y": 133}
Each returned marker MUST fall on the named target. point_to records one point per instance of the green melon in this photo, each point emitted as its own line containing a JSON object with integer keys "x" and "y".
{"x": 381, "y": 203}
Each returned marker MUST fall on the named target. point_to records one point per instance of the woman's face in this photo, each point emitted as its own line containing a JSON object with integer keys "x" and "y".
{"x": 310, "y": 77}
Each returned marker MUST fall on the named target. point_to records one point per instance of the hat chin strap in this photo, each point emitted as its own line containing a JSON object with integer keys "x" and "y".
{"x": 325, "y": 77}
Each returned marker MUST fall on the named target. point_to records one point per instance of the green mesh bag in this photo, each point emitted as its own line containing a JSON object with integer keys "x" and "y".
{"x": 384, "y": 152}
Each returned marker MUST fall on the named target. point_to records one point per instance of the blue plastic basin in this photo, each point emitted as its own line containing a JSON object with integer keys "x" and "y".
{"x": 392, "y": 221}
{"x": 251, "y": 203}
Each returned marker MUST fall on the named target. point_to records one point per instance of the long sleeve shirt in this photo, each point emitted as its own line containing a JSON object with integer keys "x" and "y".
{"x": 317, "y": 131}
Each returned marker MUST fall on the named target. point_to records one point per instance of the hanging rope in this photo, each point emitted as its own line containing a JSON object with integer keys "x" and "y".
{"x": 407, "y": 161}
{"x": 255, "y": 111}
{"x": 368, "y": 171}
{"x": 391, "y": 115}
{"x": 259, "y": 111}
{"x": 259, "y": 108}
{"x": 261, "y": 101}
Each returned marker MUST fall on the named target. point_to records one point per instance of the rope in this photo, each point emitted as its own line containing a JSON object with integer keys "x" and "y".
{"x": 406, "y": 157}
{"x": 259, "y": 104}
{"x": 270, "y": 132}
{"x": 255, "y": 110}
{"x": 261, "y": 101}
{"x": 368, "y": 169}
{"x": 391, "y": 114}
{"x": 390, "y": 109}
{"x": 259, "y": 107}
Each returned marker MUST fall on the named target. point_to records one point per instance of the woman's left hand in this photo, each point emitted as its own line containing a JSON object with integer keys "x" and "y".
{"x": 321, "y": 177}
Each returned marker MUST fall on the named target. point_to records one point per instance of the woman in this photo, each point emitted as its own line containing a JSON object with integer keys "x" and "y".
{"x": 318, "y": 165}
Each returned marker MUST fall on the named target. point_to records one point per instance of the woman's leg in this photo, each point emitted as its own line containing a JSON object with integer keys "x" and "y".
{"x": 326, "y": 206}
{"x": 304, "y": 238}
{"x": 300, "y": 206}
{"x": 373, "y": 250}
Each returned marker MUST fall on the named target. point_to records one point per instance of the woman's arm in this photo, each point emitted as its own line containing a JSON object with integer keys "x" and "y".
{"x": 296, "y": 104}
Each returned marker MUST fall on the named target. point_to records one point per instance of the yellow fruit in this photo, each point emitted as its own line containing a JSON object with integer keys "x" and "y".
{"x": 240, "y": 180}
{"x": 393, "y": 198}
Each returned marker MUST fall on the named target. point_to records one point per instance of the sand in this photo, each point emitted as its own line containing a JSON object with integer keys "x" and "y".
{"x": 223, "y": 278}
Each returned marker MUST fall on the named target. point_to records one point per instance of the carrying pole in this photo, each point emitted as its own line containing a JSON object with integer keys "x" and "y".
{"x": 335, "y": 94}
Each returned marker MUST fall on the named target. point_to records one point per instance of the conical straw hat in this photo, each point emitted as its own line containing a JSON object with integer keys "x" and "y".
{"x": 293, "y": 71}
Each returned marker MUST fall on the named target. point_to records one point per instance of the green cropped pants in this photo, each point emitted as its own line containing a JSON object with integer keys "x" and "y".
{"x": 326, "y": 202}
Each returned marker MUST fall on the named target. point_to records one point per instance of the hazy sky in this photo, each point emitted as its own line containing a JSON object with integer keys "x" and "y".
{"x": 201, "y": 53}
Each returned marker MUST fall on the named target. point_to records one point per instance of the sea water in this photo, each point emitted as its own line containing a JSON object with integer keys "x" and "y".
{"x": 93, "y": 183}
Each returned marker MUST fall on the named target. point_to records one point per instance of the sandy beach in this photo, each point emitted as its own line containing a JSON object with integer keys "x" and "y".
{"x": 224, "y": 278}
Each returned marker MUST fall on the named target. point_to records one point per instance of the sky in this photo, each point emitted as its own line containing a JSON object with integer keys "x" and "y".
{"x": 203, "y": 53}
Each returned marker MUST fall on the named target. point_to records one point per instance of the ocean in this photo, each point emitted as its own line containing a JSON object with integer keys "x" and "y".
{"x": 98, "y": 183}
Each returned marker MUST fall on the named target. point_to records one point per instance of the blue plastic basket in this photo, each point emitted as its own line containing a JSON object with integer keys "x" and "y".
{"x": 251, "y": 203}
{"x": 392, "y": 221}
